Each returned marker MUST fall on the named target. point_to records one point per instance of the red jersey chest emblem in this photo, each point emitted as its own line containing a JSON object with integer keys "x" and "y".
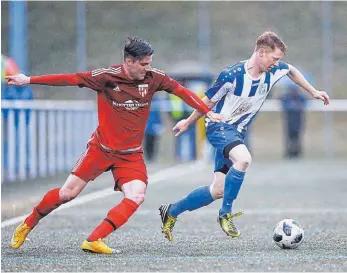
{"x": 143, "y": 89}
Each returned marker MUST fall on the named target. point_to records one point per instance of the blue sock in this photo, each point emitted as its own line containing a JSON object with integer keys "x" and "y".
{"x": 198, "y": 198}
{"x": 233, "y": 182}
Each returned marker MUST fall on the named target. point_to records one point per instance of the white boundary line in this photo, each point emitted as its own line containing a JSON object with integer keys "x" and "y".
{"x": 171, "y": 172}
{"x": 265, "y": 211}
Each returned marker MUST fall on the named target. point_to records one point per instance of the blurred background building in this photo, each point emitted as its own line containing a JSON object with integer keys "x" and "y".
{"x": 63, "y": 37}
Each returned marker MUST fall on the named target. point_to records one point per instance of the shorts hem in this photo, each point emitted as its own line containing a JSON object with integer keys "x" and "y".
{"x": 118, "y": 184}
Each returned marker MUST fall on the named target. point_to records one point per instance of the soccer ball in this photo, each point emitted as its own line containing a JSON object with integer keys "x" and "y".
{"x": 288, "y": 234}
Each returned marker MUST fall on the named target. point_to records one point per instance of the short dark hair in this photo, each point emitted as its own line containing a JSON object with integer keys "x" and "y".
{"x": 271, "y": 40}
{"x": 137, "y": 48}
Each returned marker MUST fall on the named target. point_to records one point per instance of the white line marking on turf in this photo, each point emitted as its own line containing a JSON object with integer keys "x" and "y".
{"x": 172, "y": 172}
{"x": 263, "y": 211}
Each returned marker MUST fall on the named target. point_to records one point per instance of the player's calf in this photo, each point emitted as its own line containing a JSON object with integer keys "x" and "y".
{"x": 217, "y": 186}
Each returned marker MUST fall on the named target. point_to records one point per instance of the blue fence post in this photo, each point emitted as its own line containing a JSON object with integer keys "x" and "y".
{"x": 19, "y": 53}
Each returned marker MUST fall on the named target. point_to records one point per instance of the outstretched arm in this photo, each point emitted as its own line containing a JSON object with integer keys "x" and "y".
{"x": 296, "y": 76}
{"x": 80, "y": 79}
{"x": 194, "y": 101}
{"x": 53, "y": 79}
{"x": 184, "y": 124}
{"x": 196, "y": 115}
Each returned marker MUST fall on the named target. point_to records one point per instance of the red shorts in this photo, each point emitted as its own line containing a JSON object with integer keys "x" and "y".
{"x": 96, "y": 160}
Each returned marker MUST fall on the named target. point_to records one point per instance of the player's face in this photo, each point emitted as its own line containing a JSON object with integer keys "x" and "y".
{"x": 138, "y": 69}
{"x": 269, "y": 58}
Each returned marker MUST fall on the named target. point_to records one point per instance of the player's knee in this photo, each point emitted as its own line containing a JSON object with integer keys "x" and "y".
{"x": 243, "y": 163}
{"x": 138, "y": 198}
{"x": 67, "y": 194}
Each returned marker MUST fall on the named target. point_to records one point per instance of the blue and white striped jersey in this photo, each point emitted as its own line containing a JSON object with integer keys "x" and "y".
{"x": 238, "y": 96}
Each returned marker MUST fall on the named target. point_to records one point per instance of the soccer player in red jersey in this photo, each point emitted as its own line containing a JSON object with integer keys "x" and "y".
{"x": 124, "y": 95}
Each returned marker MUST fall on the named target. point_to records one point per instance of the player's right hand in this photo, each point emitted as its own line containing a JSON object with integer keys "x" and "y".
{"x": 180, "y": 127}
{"x": 18, "y": 79}
{"x": 321, "y": 95}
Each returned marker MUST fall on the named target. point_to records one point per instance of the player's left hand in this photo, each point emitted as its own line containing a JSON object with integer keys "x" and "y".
{"x": 18, "y": 79}
{"x": 214, "y": 117}
{"x": 180, "y": 127}
{"x": 321, "y": 95}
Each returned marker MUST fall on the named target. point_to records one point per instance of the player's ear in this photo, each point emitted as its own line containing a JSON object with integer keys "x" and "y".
{"x": 261, "y": 52}
{"x": 128, "y": 60}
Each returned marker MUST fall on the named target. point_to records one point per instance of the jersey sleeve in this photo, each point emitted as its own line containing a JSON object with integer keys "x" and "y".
{"x": 283, "y": 65}
{"x": 91, "y": 79}
{"x": 225, "y": 83}
{"x": 279, "y": 71}
{"x": 164, "y": 82}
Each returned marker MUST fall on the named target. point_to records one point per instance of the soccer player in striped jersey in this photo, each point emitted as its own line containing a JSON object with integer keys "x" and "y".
{"x": 124, "y": 96}
{"x": 238, "y": 94}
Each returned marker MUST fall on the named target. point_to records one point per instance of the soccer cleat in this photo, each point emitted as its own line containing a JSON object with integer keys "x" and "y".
{"x": 168, "y": 221}
{"x": 97, "y": 247}
{"x": 227, "y": 224}
{"x": 19, "y": 235}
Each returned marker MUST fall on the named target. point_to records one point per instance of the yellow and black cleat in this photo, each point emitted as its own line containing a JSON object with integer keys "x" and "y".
{"x": 227, "y": 224}
{"x": 168, "y": 221}
{"x": 19, "y": 235}
{"x": 97, "y": 247}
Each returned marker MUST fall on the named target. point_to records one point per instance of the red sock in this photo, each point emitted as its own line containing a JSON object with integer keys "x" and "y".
{"x": 116, "y": 217}
{"x": 48, "y": 203}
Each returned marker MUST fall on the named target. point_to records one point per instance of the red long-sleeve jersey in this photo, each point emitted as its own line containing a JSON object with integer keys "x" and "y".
{"x": 123, "y": 104}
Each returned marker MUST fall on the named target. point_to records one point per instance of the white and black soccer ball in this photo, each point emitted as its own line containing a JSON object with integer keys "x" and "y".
{"x": 288, "y": 234}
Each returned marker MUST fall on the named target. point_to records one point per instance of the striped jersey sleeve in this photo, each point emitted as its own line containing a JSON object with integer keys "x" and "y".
{"x": 225, "y": 83}
{"x": 163, "y": 81}
{"x": 283, "y": 65}
{"x": 97, "y": 78}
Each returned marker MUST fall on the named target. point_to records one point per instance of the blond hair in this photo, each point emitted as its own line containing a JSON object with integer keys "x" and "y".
{"x": 270, "y": 39}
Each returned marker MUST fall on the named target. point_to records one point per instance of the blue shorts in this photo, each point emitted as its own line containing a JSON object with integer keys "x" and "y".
{"x": 220, "y": 135}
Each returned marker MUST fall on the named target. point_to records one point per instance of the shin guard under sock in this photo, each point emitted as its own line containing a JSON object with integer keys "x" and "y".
{"x": 49, "y": 202}
{"x": 116, "y": 217}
